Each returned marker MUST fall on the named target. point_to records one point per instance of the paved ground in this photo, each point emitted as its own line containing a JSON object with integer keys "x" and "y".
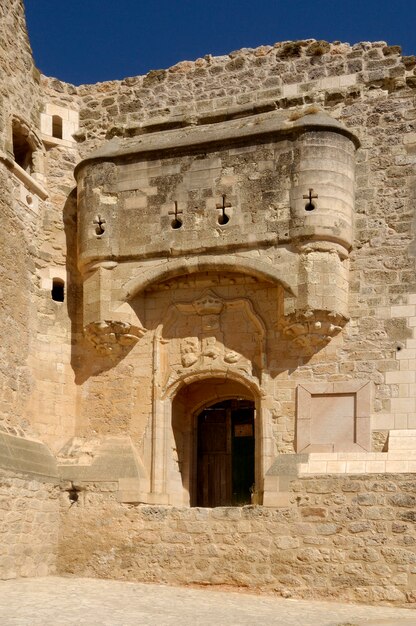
{"x": 62, "y": 601}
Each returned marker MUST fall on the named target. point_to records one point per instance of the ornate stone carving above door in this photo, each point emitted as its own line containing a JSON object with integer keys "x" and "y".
{"x": 208, "y": 351}
{"x": 212, "y": 333}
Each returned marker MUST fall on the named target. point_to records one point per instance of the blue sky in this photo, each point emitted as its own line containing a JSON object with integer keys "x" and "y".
{"x": 86, "y": 41}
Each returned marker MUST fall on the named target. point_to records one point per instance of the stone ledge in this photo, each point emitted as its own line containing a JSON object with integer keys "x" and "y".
{"x": 27, "y": 457}
{"x": 114, "y": 461}
{"x": 359, "y": 463}
{"x": 402, "y": 440}
{"x": 31, "y": 183}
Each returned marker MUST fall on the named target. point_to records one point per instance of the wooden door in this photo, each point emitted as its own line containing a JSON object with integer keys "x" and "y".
{"x": 225, "y": 454}
{"x": 242, "y": 443}
{"x": 214, "y": 458}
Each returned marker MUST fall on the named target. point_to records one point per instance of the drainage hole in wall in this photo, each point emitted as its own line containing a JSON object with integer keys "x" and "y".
{"x": 73, "y": 495}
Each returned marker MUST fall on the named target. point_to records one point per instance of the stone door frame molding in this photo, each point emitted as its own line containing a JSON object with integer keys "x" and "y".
{"x": 172, "y": 478}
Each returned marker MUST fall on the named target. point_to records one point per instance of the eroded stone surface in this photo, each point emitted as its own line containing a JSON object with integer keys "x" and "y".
{"x": 356, "y": 533}
{"x": 242, "y": 227}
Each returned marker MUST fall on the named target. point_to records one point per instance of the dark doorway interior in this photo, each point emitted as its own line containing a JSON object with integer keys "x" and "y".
{"x": 225, "y": 460}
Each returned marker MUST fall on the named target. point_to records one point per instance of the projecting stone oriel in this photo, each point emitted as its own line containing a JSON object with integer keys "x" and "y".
{"x": 322, "y": 196}
{"x": 130, "y": 184}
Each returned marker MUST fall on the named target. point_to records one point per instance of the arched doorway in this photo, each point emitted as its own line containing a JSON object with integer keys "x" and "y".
{"x": 225, "y": 454}
{"x": 216, "y": 442}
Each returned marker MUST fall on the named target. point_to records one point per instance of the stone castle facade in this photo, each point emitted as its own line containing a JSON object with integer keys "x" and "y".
{"x": 208, "y": 313}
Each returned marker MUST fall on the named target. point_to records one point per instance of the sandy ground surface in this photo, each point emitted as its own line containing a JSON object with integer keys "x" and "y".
{"x": 58, "y": 601}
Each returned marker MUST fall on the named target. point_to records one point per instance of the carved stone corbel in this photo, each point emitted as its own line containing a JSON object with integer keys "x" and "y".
{"x": 312, "y": 330}
{"x": 113, "y": 338}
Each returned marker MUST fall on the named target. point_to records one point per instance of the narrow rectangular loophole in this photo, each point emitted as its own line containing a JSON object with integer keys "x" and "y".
{"x": 57, "y": 126}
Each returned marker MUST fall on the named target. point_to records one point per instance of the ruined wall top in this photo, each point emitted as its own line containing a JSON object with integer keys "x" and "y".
{"x": 19, "y": 78}
{"x": 285, "y": 75}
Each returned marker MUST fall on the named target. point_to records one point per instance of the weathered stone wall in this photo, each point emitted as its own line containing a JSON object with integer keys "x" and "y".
{"x": 28, "y": 503}
{"x": 19, "y": 86}
{"x": 29, "y": 508}
{"x": 29, "y": 525}
{"x": 52, "y": 410}
{"x": 343, "y": 538}
{"x": 285, "y": 75}
{"x": 14, "y": 306}
{"x": 37, "y": 218}
{"x": 370, "y": 88}
{"x": 19, "y": 81}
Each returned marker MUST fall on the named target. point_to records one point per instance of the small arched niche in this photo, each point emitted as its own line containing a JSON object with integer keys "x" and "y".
{"x": 214, "y": 429}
